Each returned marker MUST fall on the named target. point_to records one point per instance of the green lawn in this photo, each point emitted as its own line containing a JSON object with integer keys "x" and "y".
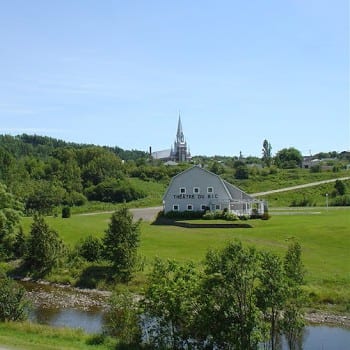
{"x": 323, "y": 234}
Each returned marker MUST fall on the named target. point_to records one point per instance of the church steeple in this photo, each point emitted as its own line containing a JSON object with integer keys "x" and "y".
{"x": 180, "y": 135}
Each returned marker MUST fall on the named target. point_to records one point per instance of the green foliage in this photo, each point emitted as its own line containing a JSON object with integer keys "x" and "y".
{"x": 65, "y": 212}
{"x": 288, "y": 158}
{"x": 229, "y": 311}
{"x": 122, "y": 319}
{"x": 339, "y": 186}
{"x": 121, "y": 241}
{"x": 170, "y": 299}
{"x": 220, "y": 214}
{"x": 115, "y": 191}
{"x": 45, "y": 248}
{"x": 341, "y": 201}
{"x": 10, "y": 211}
{"x": 293, "y": 265}
{"x": 217, "y": 168}
{"x": 242, "y": 298}
{"x": 13, "y": 304}
{"x": 187, "y": 214}
{"x": 267, "y": 153}
{"x": 43, "y": 196}
{"x": 272, "y": 294}
{"x": 242, "y": 172}
{"x": 20, "y": 244}
{"x": 90, "y": 248}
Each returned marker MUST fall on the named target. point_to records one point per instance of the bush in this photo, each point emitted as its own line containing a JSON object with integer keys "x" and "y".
{"x": 341, "y": 201}
{"x": 187, "y": 214}
{"x": 114, "y": 191}
{"x": 122, "y": 319}
{"x": 90, "y": 248}
{"x": 66, "y": 212}
{"x": 13, "y": 304}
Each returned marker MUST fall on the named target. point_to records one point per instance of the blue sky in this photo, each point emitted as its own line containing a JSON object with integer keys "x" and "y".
{"x": 118, "y": 73}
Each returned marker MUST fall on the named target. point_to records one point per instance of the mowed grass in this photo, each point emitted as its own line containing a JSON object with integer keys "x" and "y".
{"x": 323, "y": 234}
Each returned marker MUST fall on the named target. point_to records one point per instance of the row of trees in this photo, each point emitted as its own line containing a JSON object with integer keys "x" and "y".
{"x": 243, "y": 299}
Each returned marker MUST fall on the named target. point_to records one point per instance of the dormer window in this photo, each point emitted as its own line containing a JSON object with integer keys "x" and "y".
{"x": 182, "y": 190}
{"x": 210, "y": 190}
{"x": 196, "y": 190}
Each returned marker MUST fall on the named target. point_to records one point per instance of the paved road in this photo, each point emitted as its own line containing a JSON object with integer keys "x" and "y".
{"x": 311, "y": 184}
{"x": 147, "y": 214}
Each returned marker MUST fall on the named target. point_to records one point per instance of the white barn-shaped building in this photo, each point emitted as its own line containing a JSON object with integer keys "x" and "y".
{"x": 197, "y": 189}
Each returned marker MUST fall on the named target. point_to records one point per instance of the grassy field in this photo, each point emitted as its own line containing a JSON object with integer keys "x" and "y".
{"x": 31, "y": 336}
{"x": 324, "y": 236}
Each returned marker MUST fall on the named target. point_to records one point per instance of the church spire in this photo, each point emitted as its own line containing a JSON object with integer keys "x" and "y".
{"x": 180, "y": 135}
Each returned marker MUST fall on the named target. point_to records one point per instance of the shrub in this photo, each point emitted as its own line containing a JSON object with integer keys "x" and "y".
{"x": 341, "y": 201}
{"x": 66, "y": 212}
{"x": 122, "y": 319}
{"x": 114, "y": 191}
{"x": 187, "y": 214}
{"x": 90, "y": 248}
{"x": 13, "y": 304}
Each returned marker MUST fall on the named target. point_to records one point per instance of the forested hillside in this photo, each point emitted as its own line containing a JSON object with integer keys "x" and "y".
{"x": 45, "y": 173}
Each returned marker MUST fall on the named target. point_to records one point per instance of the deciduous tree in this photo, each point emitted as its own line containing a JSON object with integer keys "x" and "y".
{"x": 267, "y": 153}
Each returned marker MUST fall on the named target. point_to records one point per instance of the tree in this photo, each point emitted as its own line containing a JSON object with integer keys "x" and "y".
{"x": 122, "y": 319}
{"x": 13, "y": 304}
{"x": 292, "y": 323}
{"x": 339, "y": 186}
{"x": 90, "y": 248}
{"x": 242, "y": 172}
{"x": 45, "y": 248}
{"x": 271, "y": 293}
{"x": 171, "y": 299}
{"x": 121, "y": 241}
{"x": 288, "y": 158}
{"x": 10, "y": 212}
{"x": 266, "y": 151}
{"x": 229, "y": 316}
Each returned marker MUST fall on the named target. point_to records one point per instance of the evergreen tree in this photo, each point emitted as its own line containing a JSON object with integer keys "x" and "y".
{"x": 45, "y": 248}
{"x": 121, "y": 241}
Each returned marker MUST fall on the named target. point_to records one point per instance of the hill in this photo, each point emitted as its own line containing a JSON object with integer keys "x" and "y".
{"x": 46, "y": 174}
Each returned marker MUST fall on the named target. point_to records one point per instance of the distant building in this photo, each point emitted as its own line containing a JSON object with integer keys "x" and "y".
{"x": 179, "y": 152}
{"x": 197, "y": 189}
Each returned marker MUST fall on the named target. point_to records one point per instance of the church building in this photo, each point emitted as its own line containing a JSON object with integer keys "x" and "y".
{"x": 179, "y": 152}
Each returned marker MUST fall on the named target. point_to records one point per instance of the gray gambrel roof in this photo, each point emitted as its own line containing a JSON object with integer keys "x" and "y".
{"x": 233, "y": 192}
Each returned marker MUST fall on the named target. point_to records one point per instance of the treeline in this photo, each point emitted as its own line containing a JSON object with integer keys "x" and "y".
{"x": 45, "y": 173}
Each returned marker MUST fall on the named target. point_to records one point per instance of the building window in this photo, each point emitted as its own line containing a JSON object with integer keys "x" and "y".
{"x": 189, "y": 207}
{"x": 217, "y": 207}
{"x": 175, "y": 207}
{"x": 204, "y": 207}
{"x": 210, "y": 190}
{"x": 182, "y": 190}
{"x": 195, "y": 190}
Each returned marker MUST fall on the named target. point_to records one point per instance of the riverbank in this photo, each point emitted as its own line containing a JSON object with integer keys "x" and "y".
{"x": 57, "y": 296}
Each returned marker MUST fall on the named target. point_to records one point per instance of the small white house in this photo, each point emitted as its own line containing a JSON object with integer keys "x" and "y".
{"x": 197, "y": 189}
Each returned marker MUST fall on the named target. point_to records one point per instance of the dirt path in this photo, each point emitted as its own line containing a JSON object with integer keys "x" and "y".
{"x": 311, "y": 184}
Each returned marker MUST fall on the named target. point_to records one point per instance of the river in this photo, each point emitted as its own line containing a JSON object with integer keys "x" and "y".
{"x": 68, "y": 307}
